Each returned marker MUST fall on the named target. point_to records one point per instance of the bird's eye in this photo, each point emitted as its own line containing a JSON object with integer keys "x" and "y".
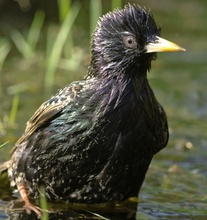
{"x": 130, "y": 42}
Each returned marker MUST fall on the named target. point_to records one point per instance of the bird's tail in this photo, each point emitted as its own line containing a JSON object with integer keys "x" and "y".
{"x": 4, "y": 167}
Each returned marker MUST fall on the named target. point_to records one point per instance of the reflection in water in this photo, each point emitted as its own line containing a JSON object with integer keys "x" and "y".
{"x": 15, "y": 212}
{"x": 180, "y": 84}
{"x": 146, "y": 211}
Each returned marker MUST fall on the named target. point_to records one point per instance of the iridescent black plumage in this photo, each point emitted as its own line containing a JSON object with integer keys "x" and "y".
{"x": 94, "y": 140}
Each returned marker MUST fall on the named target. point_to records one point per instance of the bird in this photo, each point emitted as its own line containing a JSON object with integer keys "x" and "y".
{"x": 93, "y": 141}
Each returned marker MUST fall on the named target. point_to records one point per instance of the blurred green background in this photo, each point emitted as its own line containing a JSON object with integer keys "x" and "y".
{"x": 45, "y": 45}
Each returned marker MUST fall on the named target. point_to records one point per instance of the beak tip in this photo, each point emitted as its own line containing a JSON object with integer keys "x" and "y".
{"x": 163, "y": 45}
{"x": 178, "y": 49}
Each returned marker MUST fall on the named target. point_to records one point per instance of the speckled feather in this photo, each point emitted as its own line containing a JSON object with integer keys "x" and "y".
{"x": 94, "y": 140}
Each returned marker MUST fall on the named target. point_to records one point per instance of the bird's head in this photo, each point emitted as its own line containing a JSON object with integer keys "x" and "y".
{"x": 126, "y": 39}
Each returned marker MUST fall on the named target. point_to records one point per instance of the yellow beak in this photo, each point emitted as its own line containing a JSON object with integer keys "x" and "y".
{"x": 162, "y": 45}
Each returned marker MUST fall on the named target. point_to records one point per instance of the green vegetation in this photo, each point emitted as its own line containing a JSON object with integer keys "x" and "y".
{"x": 14, "y": 109}
{"x": 95, "y": 13}
{"x": 5, "y": 47}
{"x": 179, "y": 82}
{"x": 50, "y": 48}
{"x": 27, "y": 47}
{"x": 55, "y": 53}
{"x": 4, "y": 144}
{"x": 43, "y": 204}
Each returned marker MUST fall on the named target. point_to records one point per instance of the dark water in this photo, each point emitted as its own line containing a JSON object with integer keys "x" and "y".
{"x": 176, "y": 183}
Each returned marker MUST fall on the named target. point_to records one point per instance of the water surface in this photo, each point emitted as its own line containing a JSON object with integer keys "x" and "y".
{"x": 176, "y": 183}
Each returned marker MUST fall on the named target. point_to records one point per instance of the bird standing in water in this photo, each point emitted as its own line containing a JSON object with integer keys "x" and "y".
{"x": 94, "y": 140}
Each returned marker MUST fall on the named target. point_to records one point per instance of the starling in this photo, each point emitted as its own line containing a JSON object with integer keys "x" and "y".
{"x": 94, "y": 140}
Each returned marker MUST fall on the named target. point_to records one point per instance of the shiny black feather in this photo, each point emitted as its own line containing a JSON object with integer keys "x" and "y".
{"x": 94, "y": 140}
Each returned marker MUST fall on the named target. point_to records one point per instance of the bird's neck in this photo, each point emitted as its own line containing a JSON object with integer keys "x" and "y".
{"x": 122, "y": 79}
{"x": 140, "y": 89}
{"x": 128, "y": 89}
{"x": 135, "y": 81}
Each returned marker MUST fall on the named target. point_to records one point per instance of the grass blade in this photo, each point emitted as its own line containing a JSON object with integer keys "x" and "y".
{"x": 4, "y": 144}
{"x": 63, "y": 9}
{"x": 95, "y": 13}
{"x": 43, "y": 204}
{"x": 35, "y": 30}
{"x": 27, "y": 46}
{"x": 5, "y": 47}
{"x": 14, "y": 109}
{"x": 57, "y": 48}
{"x": 21, "y": 44}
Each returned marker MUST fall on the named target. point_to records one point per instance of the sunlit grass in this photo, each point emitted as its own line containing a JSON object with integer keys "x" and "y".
{"x": 95, "y": 13}
{"x": 4, "y": 144}
{"x": 27, "y": 46}
{"x": 61, "y": 53}
{"x": 64, "y": 6}
{"x": 54, "y": 53}
{"x": 34, "y": 31}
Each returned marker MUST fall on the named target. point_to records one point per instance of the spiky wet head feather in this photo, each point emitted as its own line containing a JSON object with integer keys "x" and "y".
{"x": 119, "y": 40}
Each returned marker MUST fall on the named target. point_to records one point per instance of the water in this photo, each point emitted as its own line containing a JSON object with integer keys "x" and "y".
{"x": 176, "y": 183}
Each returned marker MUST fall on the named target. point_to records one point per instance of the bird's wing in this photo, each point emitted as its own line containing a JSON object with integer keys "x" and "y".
{"x": 52, "y": 107}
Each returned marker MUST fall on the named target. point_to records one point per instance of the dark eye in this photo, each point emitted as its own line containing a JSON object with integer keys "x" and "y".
{"x": 130, "y": 42}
